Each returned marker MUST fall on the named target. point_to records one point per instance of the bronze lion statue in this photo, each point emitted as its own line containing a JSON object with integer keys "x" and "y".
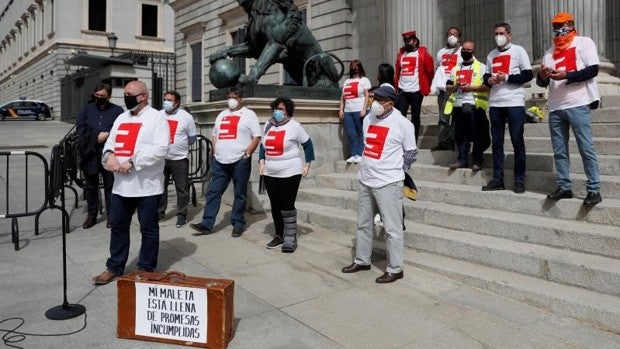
{"x": 275, "y": 33}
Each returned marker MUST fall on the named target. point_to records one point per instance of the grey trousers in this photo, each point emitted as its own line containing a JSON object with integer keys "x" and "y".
{"x": 388, "y": 201}
{"x": 179, "y": 171}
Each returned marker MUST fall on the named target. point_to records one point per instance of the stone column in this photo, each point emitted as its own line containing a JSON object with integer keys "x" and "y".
{"x": 590, "y": 20}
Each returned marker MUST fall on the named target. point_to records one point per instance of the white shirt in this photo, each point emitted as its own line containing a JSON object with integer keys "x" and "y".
{"x": 182, "y": 127}
{"x": 385, "y": 141}
{"x": 581, "y": 53}
{"x": 353, "y": 93}
{"x": 144, "y": 139}
{"x": 281, "y": 143}
{"x": 233, "y": 132}
{"x": 511, "y": 61}
{"x": 409, "y": 80}
{"x": 448, "y": 58}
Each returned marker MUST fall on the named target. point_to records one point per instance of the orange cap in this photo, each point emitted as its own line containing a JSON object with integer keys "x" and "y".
{"x": 562, "y": 17}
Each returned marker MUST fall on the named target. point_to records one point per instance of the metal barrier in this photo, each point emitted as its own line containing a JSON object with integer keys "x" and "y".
{"x": 200, "y": 156}
{"x": 28, "y": 178}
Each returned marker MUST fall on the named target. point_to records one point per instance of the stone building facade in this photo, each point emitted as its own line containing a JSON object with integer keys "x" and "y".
{"x": 39, "y": 37}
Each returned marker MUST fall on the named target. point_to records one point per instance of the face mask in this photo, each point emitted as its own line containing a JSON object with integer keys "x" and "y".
{"x": 466, "y": 55}
{"x": 408, "y": 47}
{"x": 168, "y": 106}
{"x": 377, "y": 109}
{"x": 278, "y": 115}
{"x": 562, "y": 31}
{"x": 131, "y": 102}
{"x": 101, "y": 101}
{"x": 452, "y": 40}
{"x": 232, "y": 103}
{"x": 500, "y": 40}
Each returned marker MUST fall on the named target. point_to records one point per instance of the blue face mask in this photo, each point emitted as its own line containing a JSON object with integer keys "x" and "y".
{"x": 168, "y": 106}
{"x": 278, "y": 115}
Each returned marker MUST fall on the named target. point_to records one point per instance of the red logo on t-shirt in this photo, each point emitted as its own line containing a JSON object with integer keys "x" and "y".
{"x": 350, "y": 90}
{"x": 501, "y": 64}
{"x": 228, "y": 127}
{"x": 566, "y": 60}
{"x": 126, "y": 137}
{"x": 173, "y": 129}
{"x": 448, "y": 61}
{"x": 408, "y": 65}
{"x": 464, "y": 76}
{"x": 274, "y": 143}
{"x": 375, "y": 141}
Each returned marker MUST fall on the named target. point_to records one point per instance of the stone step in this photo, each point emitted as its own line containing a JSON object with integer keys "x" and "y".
{"x": 609, "y": 130}
{"x": 608, "y": 164}
{"x": 566, "y": 267}
{"x": 578, "y": 236}
{"x": 604, "y": 146}
{"x": 542, "y": 182}
{"x": 529, "y": 203}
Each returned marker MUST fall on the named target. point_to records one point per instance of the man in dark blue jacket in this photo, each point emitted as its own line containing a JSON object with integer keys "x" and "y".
{"x": 92, "y": 128}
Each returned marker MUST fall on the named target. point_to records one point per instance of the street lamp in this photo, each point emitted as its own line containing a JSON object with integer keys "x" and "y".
{"x": 112, "y": 42}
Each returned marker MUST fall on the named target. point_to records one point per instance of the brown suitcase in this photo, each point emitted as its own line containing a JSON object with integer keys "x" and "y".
{"x": 173, "y": 308}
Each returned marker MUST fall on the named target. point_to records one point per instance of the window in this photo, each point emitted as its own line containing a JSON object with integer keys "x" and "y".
{"x": 196, "y": 72}
{"x": 149, "y": 20}
{"x": 96, "y": 15}
{"x": 238, "y": 37}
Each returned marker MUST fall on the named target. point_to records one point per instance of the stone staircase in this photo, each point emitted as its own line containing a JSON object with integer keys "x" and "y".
{"x": 555, "y": 255}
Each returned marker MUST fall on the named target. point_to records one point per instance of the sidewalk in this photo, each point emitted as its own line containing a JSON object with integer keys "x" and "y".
{"x": 298, "y": 300}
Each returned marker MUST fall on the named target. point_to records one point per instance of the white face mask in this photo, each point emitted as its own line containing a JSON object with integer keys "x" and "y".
{"x": 452, "y": 40}
{"x": 168, "y": 106}
{"x": 377, "y": 109}
{"x": 500, "y": 40}
{"x": 232, "y": 103}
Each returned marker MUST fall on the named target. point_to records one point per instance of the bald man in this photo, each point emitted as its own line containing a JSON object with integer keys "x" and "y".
{"x": 135, "y": 152}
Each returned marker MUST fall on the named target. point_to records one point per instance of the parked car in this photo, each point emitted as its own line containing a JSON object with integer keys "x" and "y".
{"x": 24, "y": 108}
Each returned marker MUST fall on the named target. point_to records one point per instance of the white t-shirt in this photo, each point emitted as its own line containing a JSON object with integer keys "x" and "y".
{"x": 143, "y": 138}
{"x": 281, "y": 143}
{"x": 233, "y": 132}
{"x": 182, "y": 127}
{"x": 511, "y": 61}
{"x": 353, "y": 93}
{"x": 582, "y": 53}
{"x": 409, "y": 80}
{"x": 448, "y": 58}
{"x": 385, "y": 141}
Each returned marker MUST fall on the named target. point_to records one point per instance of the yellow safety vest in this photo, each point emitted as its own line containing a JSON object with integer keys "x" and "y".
{"x": 481, "y": 99}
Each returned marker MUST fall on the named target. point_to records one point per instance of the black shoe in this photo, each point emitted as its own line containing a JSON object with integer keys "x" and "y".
{"x": 108, "y": 223}
{"x": 180, "y": 222}
{"x": 493, "y": 185}
{"x": 440, "y": 147}
{"x": 237, "y": 232}
{"x": 89, "y": 222}
{"x": 161, "y": 215}
{"x": 354, "y": 268}
{"x": 201, "y": 229}
{"x": 275, "y": 243}
{"x": 456, "y": 165}
{"x": 389, "y": 277}
{"x": 476, "y": 167}
{"x": 592, "y": 199}
{"x": 560, "y": 194}
{"x": 519, "y": 187}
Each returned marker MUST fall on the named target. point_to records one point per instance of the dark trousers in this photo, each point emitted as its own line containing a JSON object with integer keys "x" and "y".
{"x": 413, "y": 99}
{"x": 122, "y": 209}
{"x": 515, "y": 118}
{"x": 445, "y": 133}
{"x": 471, "y": 126}
{"x": 178, "y": 170}
{"x": 91, "y": 190}
{"x": 282, "y": 194}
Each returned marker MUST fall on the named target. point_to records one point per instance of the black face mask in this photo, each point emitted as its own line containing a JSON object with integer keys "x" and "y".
{"x": 466, "y": 55}
{"x": 131, "y": 102}
{"x": 409, "y": 48}
{"x": 101, "y": 101}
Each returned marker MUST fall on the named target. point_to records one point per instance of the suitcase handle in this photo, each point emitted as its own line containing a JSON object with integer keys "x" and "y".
{"x": 173, "y": 276}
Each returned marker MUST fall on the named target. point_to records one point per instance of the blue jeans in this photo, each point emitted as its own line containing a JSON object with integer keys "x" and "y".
{"x": 515, "y": 118}
{"x": 221, "y": 174}
{"x": 353, "y": 128}
{"x": 580, "y": 120}
{"x": 122, "y": 209}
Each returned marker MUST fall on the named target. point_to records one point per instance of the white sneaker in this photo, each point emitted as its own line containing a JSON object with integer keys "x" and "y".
{"x": 357, "y": 159}
{"x": 378, "y": 219}
{"x": 351, "y": 159}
